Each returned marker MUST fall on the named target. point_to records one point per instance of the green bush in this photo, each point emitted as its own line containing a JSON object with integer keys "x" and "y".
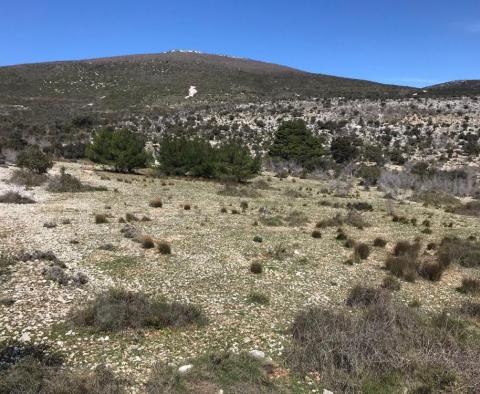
{"x": 195, "y": 157}
{"x": 344, "y": 148}
{"x": 294, "y": 142}
{"x": 33, "y": 159}
{"x": 120, "y": 149}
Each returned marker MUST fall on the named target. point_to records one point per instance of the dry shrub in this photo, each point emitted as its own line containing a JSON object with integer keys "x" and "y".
{"x": 364, "y": 296}
{"x": 67, "y": 183}
{"x": 119, "y": 309}
{"x": 470, "y": 286}
{"x": 379, "y": 242}
{"x": 471, "y": 208}
{"x": 431, "y": 270}
{"x": 100, "y": 218}
{"x": 130, "y": 217}
{"x": 256, "y": 267}
{"x": 164, "y": 247}
{"x": 156, "y": 203}
{"x": 453, "y": 250}
{"x": 296, "y": 219}
{"x": 361, "y": 251}
{"x": 147, "y": 242}
{"x": 27, "y": 178}
{"x": 390, "y": 282}
{"x": 348, "y": 351}
{"x": 404, "y": 261}
{"x": 352, "y": 218}
{"x": 316, "y": 234}
{"x": 471, "y": 309}
{"x": 15, "y": 198}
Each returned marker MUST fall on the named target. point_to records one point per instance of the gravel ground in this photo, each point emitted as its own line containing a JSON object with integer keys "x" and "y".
{"x": 209, "y": 265}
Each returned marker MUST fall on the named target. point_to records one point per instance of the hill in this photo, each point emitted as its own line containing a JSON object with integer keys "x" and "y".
{"x": 51, "y": 91}
{"x": 455, "y": 88}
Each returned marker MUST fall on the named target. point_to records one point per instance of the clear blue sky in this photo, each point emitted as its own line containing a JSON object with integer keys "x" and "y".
{"x": 411, "y": 42}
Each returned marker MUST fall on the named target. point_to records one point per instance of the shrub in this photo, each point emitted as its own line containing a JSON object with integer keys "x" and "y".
{"x": 33, "y": 159}
{"x": 244, "y": 205}
{"x": 256, "y": 267}
{"x": 344, "y": 148}
{"x": 15, "y": 198}
{"x": 360, "y": 206}
{"x": 471, "y": 208}
{"x": 164, "y": 247}
{"x": 364, "y": 296}
{"x": 187, "y": 207}
{"x": 100, "y": 218}
{"x": 470, "y": 286}
{"x": 121, "y": 149}
{"x": 230, "y": 160}
{"x": 341, "y": 235}
{"x": 352, "y": 218}
{"x": 234, "y": 191}
{"x": 362, "y": 251}
{"x": 293, "y": 142}
{"x": 147, "y": 242}
{"x": 130, "y": 217}
{"x": 431, "y": 270}
{"x": 27, "y": 178}
{"x": 316, "y": 234}
{"x": 471, "y": 309}
{"x": 404, "y": 262}
{"x": 379, "y": 242}
{"x": 391, "y": 283}
{"x": 296, "y": 218}
{"x": 258, "y": 239}
{"x": 156, "y": 203}
{"x": 455, "y": 250}
{"x": 67, "y": 183}
{"x": 118, "y": 309}
{"x": 223, "y": 210}
{"x": 258, "y": 298}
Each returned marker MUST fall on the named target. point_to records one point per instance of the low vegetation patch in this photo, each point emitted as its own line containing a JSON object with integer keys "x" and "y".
{"x": 352, "y": 352}
{"x": 352, "y": 218}
{"x": 24, "y": 177}
{"x": 118, "y": 309}
{"x": 15, "y": 198}
{"x": 67, "y": 183}
{"x": 214, "y": 373}
{"x": 470, "y": 286}
{"x": 454, "y": 250}
{"x": 403, "y": 263}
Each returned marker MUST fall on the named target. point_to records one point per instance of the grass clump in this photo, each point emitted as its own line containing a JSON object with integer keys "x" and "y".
{"x": 147, "y": 242}
{"x": 214, "y": 373}
{"x": 15, "y": 198}
{"x": 164, "y": 247}
{"x": 352, "y": 218}
{"x": 258, "y": 298}
{"x": 431, "y": 270}
{"x": 390, "y": 282}
{"x": 119, "y": 309}
{"x": 364, "y": 296}
{"x": 296, "y": 219}
{"x": 471, "y": 309}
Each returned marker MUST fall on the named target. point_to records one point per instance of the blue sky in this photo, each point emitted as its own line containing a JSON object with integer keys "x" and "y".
{"x": 409, "y": 42}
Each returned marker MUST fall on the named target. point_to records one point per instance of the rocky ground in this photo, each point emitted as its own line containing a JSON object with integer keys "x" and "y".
{"x": 209, "y": 265}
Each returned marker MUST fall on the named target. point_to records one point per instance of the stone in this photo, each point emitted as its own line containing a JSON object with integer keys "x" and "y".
{"x": 185, "y": 368}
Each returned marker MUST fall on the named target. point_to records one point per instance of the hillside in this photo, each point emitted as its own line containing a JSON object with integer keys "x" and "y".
{"x": 60, "y": 89}
{"x": 455, "y": 88}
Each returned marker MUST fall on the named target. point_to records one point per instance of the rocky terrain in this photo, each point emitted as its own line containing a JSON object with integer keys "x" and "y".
{"x": 215, "y": 234}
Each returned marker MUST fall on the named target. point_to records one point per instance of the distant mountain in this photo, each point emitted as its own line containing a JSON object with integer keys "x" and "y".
{"x": 455, "y": 88}
{"x": 58, "y": 90}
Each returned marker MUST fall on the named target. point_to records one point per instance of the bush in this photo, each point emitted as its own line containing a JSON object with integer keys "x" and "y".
{"x": 118, "y": 309}
{"x": 316, "y": 234}
{"x": 348, "y": 350}
{"x": 293, "y": 142}
{"x": 471, "y": 309}
{"x": 120, "y": 149}
{"x": 258, "y": 239}
{"x": 459, "y": 251}
{"x": 364, "y": 296}
{"x": 379, "y": 242}
{"x": 344, "y": 148}
{"x": 230, "y": 160}
{"x": 470, "y": 286}
{"x": 256, "y": 267}
{"x": 33, "y": 159}
{"x": 362, "y": 251}
{"x": 404, "y": 262}
{"x": 431, "y": 270}
{"x": 391, "y": 283}
{"x": 147, "y": 242}
{"x": 100, "y": 218}
{"x": 67, "y": 183}
{"x": 352, "y": 218}
{"x": 360, "y": 206}
{"x": 27, "y": 178}
{"x": 15, "y": 198}
{"x": 156, "y": 203}
{"x": 164, "y": 247}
